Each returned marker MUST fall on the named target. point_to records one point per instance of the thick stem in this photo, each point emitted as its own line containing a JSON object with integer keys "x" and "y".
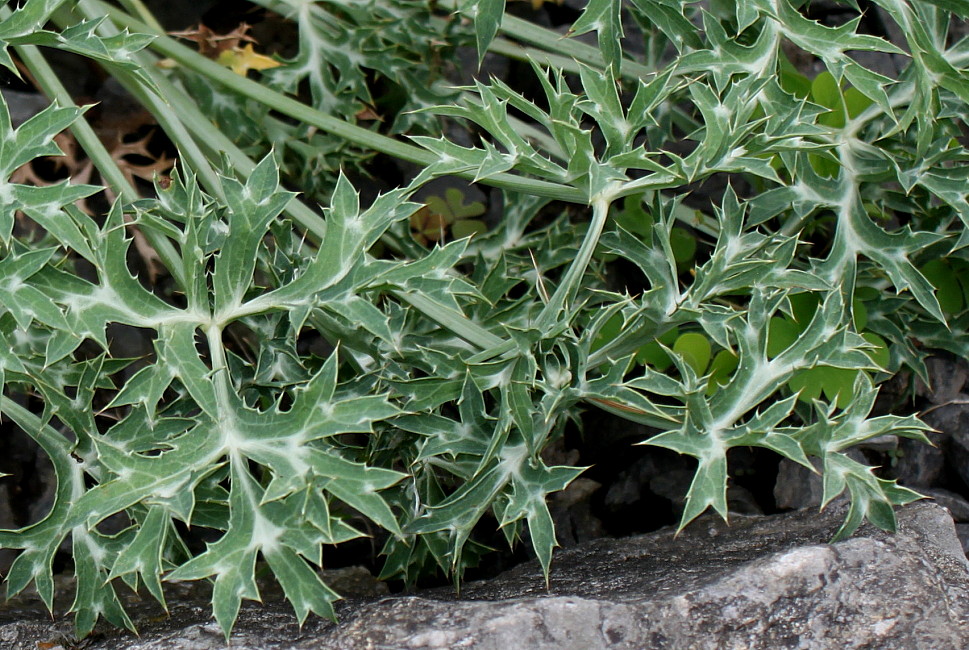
{"x": 569, "y": 285}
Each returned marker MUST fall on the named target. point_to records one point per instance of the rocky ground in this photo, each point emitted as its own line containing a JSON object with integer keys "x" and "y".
{"x": 760, "y": 582}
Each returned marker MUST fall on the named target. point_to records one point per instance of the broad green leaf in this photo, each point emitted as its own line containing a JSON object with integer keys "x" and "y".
{"x": 683, "y": 244}
{"x": 825, "y": 91}
{"x": 879, "y": 352}
{"x": 723, "y": 364}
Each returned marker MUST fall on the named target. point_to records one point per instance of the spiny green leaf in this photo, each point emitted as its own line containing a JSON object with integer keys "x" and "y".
{"x": 487, "y": 15}
{"x": 603, "y": 17}
{"x": 143, "y": 555}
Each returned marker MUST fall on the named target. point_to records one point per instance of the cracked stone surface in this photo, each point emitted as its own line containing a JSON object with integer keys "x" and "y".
{"x": 761, "y": 582}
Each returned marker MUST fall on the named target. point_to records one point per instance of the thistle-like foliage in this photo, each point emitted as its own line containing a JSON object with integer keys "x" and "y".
{"x": 304, "y": 387}
{"x": 165, "y": 455}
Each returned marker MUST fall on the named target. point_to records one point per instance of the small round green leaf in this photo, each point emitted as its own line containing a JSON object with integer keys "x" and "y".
{"x": 795, "y": 83}
{"x": 867, "y": 293}
{"x": 855, "y": 102}
{"x": 860, "y": 313}
{"x": 653, "y": 355}
{"x": 781, "y": 334}
{"x": 722, "y": 366}
{"x": 824, "y": 166}
{"x": 838, "y": 384}
{"x": 948, "y": 291}
{"x": 807, "y": 384}
{"x": 825, "y": 92}
{"x": 669, "y": 336}
{"x": 880, "y": 354}
{"x": 695, "y": 350}
{"x": 791, "y": 79}
{"x": 803, "y": 306}
{"x": 960, "y": 268}
{"x": 633, "y": 218}
{"x": 609, "y": 330}
{"x": 467, "y": 228}
{"x": 683, "y": 243}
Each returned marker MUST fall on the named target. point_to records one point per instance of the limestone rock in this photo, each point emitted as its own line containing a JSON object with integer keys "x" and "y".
{"x": 761, "y": 582}
{"x": 957, "y": 506}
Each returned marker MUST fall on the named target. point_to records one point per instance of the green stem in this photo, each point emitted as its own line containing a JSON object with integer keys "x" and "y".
{"x": 100, "y": 157}
{"x": 186, "y": 110}
{"x": 453, "y": 320}
{"x": 573, "y": 276}
{"x": 547, "y": 39}
{"x": 171, "y": 121}
{"x": 181, "y": 113}
{"x": 513, "y": 50}
{"x": 220, "y": 369}
{"x": 552, "y": 48}
{"x": 138, "y": 9}
{"x": 288, "y": 106}
{"x": 499, "y": 46}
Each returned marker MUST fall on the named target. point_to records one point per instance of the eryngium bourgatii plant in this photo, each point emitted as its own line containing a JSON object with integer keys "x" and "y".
{"x": 442, "y": 374}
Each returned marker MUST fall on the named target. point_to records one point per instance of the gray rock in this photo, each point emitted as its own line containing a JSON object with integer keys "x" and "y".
{"x": 572, "y": 513}
{"x": 948, "y": 376}
{"x": 957, "y": 506}
{"x": 918, "y": 465}
{"x": 798, "y": 487}
{"x": 951, "y": 420}
{"x": 23, "y": 106}
{"x": 761, "y": 582}
{"x": 662, "y": 474}
{"x": 741, "y": 501}
{"x": 962, "y": 530}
